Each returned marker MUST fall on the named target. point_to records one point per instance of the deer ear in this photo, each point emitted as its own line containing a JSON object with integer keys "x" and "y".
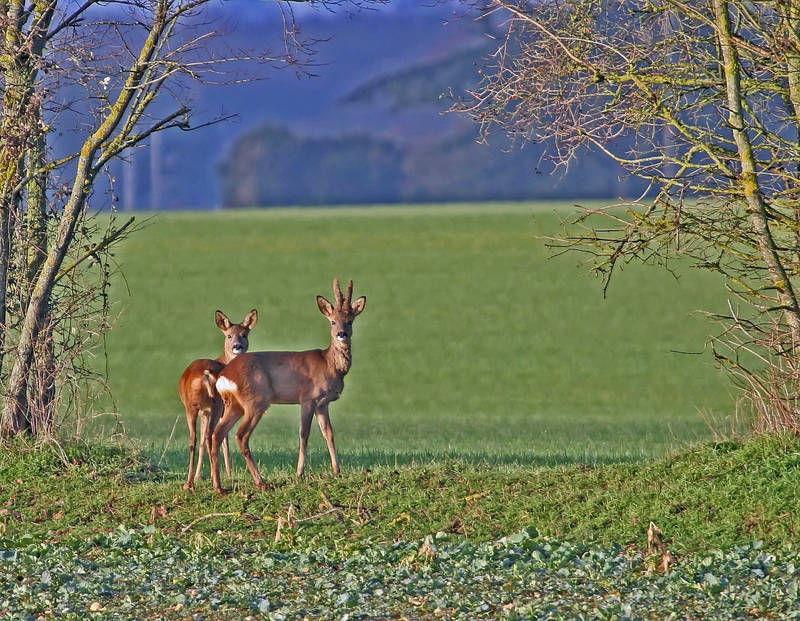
{"x": 358, "y": 305}
{"x": 251, "y": 320}
{"x": 223, "y": 323}
{"x": 325, "y": 307}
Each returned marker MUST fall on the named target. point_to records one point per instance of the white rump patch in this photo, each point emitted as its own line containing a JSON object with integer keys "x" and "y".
{"x": 226, "y": 385}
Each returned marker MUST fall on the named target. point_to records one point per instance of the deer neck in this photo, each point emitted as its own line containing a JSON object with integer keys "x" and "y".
{"x": 226, "y": 357}
{"x": 339, "y": 359}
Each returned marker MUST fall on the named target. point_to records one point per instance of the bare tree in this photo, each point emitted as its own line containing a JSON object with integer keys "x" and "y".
{"x": 111, "y": 68}
{"x": 700, "y": 98}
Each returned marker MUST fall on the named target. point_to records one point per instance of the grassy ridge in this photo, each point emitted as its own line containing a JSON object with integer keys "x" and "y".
{"x": 713, "y": 496}
{"x": 98, "y": 531}
{"x": 472, "y": 346}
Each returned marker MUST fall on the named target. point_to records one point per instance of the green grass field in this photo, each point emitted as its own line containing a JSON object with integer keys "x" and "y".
{"x": 473, "y": 344}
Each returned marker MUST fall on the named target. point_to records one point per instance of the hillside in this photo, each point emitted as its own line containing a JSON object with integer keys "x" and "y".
{"x": 381, "y": 82}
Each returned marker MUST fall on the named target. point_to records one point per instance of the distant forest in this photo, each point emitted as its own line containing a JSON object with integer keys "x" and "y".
{"x": 370, "y": 127}
{"x": 272, "y": 166}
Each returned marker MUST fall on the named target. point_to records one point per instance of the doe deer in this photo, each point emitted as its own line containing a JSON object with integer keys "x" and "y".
{"x": 312, "y": 379}
{"x": 199, "y": 395}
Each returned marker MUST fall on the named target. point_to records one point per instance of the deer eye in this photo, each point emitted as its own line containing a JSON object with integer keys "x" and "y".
{"x": 333, "y": 323}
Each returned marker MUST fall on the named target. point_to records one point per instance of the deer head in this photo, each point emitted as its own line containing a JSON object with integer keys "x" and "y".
{"x": 342, "y": 313}
{"x": 236, "y": 333}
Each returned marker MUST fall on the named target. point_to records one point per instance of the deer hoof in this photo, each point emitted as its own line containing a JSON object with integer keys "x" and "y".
{"x": 188, "y": 487}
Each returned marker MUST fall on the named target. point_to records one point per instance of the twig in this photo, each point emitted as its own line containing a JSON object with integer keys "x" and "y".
{"x": 332, "y": 508}
{"x": 360, "y": 506}
{"x": 166, "y": 446}
{"x": 191, "y": 524}
{"x": 403, "y": 516}
{"x": 92, "y": 252}
{"x": 316, "y": 516}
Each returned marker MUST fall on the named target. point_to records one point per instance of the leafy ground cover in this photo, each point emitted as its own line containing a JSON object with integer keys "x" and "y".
{"x": 144, "y": 574}
{"x": 474, "y": 345}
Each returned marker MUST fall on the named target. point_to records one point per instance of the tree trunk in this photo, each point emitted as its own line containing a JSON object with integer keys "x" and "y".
{"x": 42, "y": 391}
{"x": 5, "y": 256}
{"x": 754, "y": 198}
{"x": 40, "y": 388}
{"x": 22, "y": 148}
{"x": 15, "y": 398}
{"x": 791, "y": 29}
{"x": 36, "y": 216}
{"x": 9, "y": 152}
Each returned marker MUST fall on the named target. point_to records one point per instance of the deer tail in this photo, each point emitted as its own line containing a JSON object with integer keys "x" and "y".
{"x": 210, "y": 382}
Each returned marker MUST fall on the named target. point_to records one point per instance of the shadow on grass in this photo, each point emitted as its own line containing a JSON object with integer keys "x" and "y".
{"x": 177, "y": 460}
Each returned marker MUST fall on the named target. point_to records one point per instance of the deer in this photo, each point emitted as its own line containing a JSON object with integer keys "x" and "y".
{"x": 198, "y": 393}
{"x": 312, "y": 379}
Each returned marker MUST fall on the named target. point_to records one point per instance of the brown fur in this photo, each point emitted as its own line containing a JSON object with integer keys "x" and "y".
{"x": 199, "y": 395}
{"x": 311, "y": 379}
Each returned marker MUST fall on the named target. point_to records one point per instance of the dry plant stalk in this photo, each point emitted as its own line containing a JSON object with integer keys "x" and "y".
{"x": 656, "y": 547}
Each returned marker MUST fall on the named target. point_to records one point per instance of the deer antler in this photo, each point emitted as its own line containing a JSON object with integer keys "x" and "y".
{"x": 337, "y": 291}
{"x": 348, "y": 295}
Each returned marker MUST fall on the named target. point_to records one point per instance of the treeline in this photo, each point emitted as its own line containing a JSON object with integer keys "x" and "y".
{"x": 272, "y": 166}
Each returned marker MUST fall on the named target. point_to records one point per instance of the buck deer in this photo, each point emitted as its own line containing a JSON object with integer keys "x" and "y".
{"x": 199, "y": 395}
{"x": 312, "y": 379}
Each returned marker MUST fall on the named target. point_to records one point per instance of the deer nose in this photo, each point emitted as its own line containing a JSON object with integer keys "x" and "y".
{"x": 342, "y": 335}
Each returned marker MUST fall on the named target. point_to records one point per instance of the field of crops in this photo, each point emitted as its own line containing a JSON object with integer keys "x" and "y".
{"x": 517, "y": 577}
{"x": 474, "y": 344}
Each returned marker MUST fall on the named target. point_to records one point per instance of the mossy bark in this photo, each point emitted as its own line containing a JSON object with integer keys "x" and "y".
{"x": 14, "y": 401}
{"x": 748, "y": 176}
{"x": 791, "y": 31}
{"x": 22, "y": 154}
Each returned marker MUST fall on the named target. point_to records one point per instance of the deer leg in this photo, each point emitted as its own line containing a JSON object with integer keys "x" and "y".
{"x": 233, "y": 412}
{"x": 216, "y": 415}
{"x": 324, "y": 420}
{"x": 306, "y": 412}
{"x": 251, "y": 418}
{"x": 205, "y": 428}
{"x": 226, "y": 453}
{"x": 191, "y": 421}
